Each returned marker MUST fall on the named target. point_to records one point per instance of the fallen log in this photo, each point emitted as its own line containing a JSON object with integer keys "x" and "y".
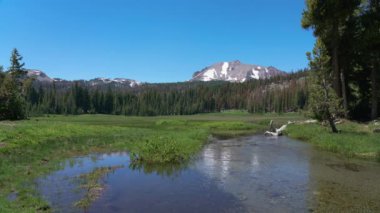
{"x": 309, "y": 122}
{"x": 276, "y": 132}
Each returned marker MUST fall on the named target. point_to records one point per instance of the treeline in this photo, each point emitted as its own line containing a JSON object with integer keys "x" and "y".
{"x": 21, "y": 96}
{"x": 348, "y": 39}
{"x": 279, "y": 94}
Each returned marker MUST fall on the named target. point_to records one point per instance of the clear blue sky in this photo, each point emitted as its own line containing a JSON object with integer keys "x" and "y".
{"x": 151, "y": 40}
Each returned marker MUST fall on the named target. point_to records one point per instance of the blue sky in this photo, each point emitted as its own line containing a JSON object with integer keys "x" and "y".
{"x": 151, "y": 40}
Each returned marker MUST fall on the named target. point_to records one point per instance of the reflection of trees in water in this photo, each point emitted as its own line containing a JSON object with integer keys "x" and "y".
{"x": 220, "y": 160}
{"x": 162, "y": 169}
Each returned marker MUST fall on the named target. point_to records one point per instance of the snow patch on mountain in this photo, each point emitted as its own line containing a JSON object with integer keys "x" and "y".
{"x": 255, "y": 74}
{"x": 209, "y": 75}
{"x": 101, "y": 81}
{"x": 225, "y": 67}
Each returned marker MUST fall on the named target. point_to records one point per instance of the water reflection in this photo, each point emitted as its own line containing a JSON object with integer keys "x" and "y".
{"x": 136, "y": 187}
{"x": 167, "y": 169}
{"x": 254, "y": 174}
{"x": 265, "y": 174}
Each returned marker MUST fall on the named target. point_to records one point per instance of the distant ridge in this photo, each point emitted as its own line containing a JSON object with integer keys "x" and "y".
{"x": 43, "y": 78}
{"x": 234, "y": 71}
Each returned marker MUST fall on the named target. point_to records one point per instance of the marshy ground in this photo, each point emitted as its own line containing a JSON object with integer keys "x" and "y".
{"x": 34, "y": 148}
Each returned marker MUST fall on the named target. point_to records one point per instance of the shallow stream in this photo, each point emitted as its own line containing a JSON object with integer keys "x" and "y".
{"x": 248, "y": 174}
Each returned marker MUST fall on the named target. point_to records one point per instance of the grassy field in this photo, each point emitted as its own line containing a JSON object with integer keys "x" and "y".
{"x": 32, "y": 148}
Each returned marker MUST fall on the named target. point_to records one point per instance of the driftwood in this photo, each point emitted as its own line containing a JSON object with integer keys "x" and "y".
{"x": 309, "y": 122}
{"x": 276, "y": 132}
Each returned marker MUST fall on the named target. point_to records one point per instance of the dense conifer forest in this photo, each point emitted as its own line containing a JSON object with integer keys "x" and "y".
{"x": 346, "y": 57}
{"x": 280, "y": 94}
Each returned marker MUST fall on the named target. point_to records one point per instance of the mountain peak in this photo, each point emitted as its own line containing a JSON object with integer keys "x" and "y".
{"x": 235, "y": 71}
{"x": 236, "y": 62}
{"x": 38, "y": 75}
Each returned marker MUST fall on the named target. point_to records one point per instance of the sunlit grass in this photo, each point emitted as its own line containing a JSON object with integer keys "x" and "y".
{"x": 354, "y": 140}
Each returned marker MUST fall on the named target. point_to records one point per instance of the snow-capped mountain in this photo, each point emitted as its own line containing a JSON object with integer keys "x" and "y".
{"x": 235, "y": 72}
{"x": 43, "y": 78}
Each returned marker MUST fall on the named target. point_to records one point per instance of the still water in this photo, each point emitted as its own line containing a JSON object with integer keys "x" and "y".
{"x": 248, "y": 174}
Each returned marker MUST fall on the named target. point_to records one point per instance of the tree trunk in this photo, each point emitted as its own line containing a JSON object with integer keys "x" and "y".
{"x": 332, "y": 123}
{"x": 335, "y": 60}
{"x": 330, "y": 118}
{"x": 336, "y": 72}
{"x": 344, "y": 94}
{"x": 375, "y": 92}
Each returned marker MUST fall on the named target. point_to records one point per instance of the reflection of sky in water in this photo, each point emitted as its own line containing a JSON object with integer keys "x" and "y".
{"x": 129, "y": 190}
{"x": 255, "y": 164}
{"x": 61, "y": 188}
{"x": 264, "y": 173}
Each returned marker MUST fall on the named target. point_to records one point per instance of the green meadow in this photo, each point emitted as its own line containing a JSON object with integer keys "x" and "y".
{"x": 32, "y": 148}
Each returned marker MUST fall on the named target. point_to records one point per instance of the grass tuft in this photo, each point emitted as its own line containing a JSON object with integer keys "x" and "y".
{"x": 93, "y": 185}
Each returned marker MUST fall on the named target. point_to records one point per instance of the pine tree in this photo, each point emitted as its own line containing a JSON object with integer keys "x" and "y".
{"x": 329, "y": 20}
{"x": 12, "y": 97}
{"x": 371, "y": 48}
{"x": 323, "y": 101}
{"x": 12, "y": 105}
{"x": 16, "y": 68}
